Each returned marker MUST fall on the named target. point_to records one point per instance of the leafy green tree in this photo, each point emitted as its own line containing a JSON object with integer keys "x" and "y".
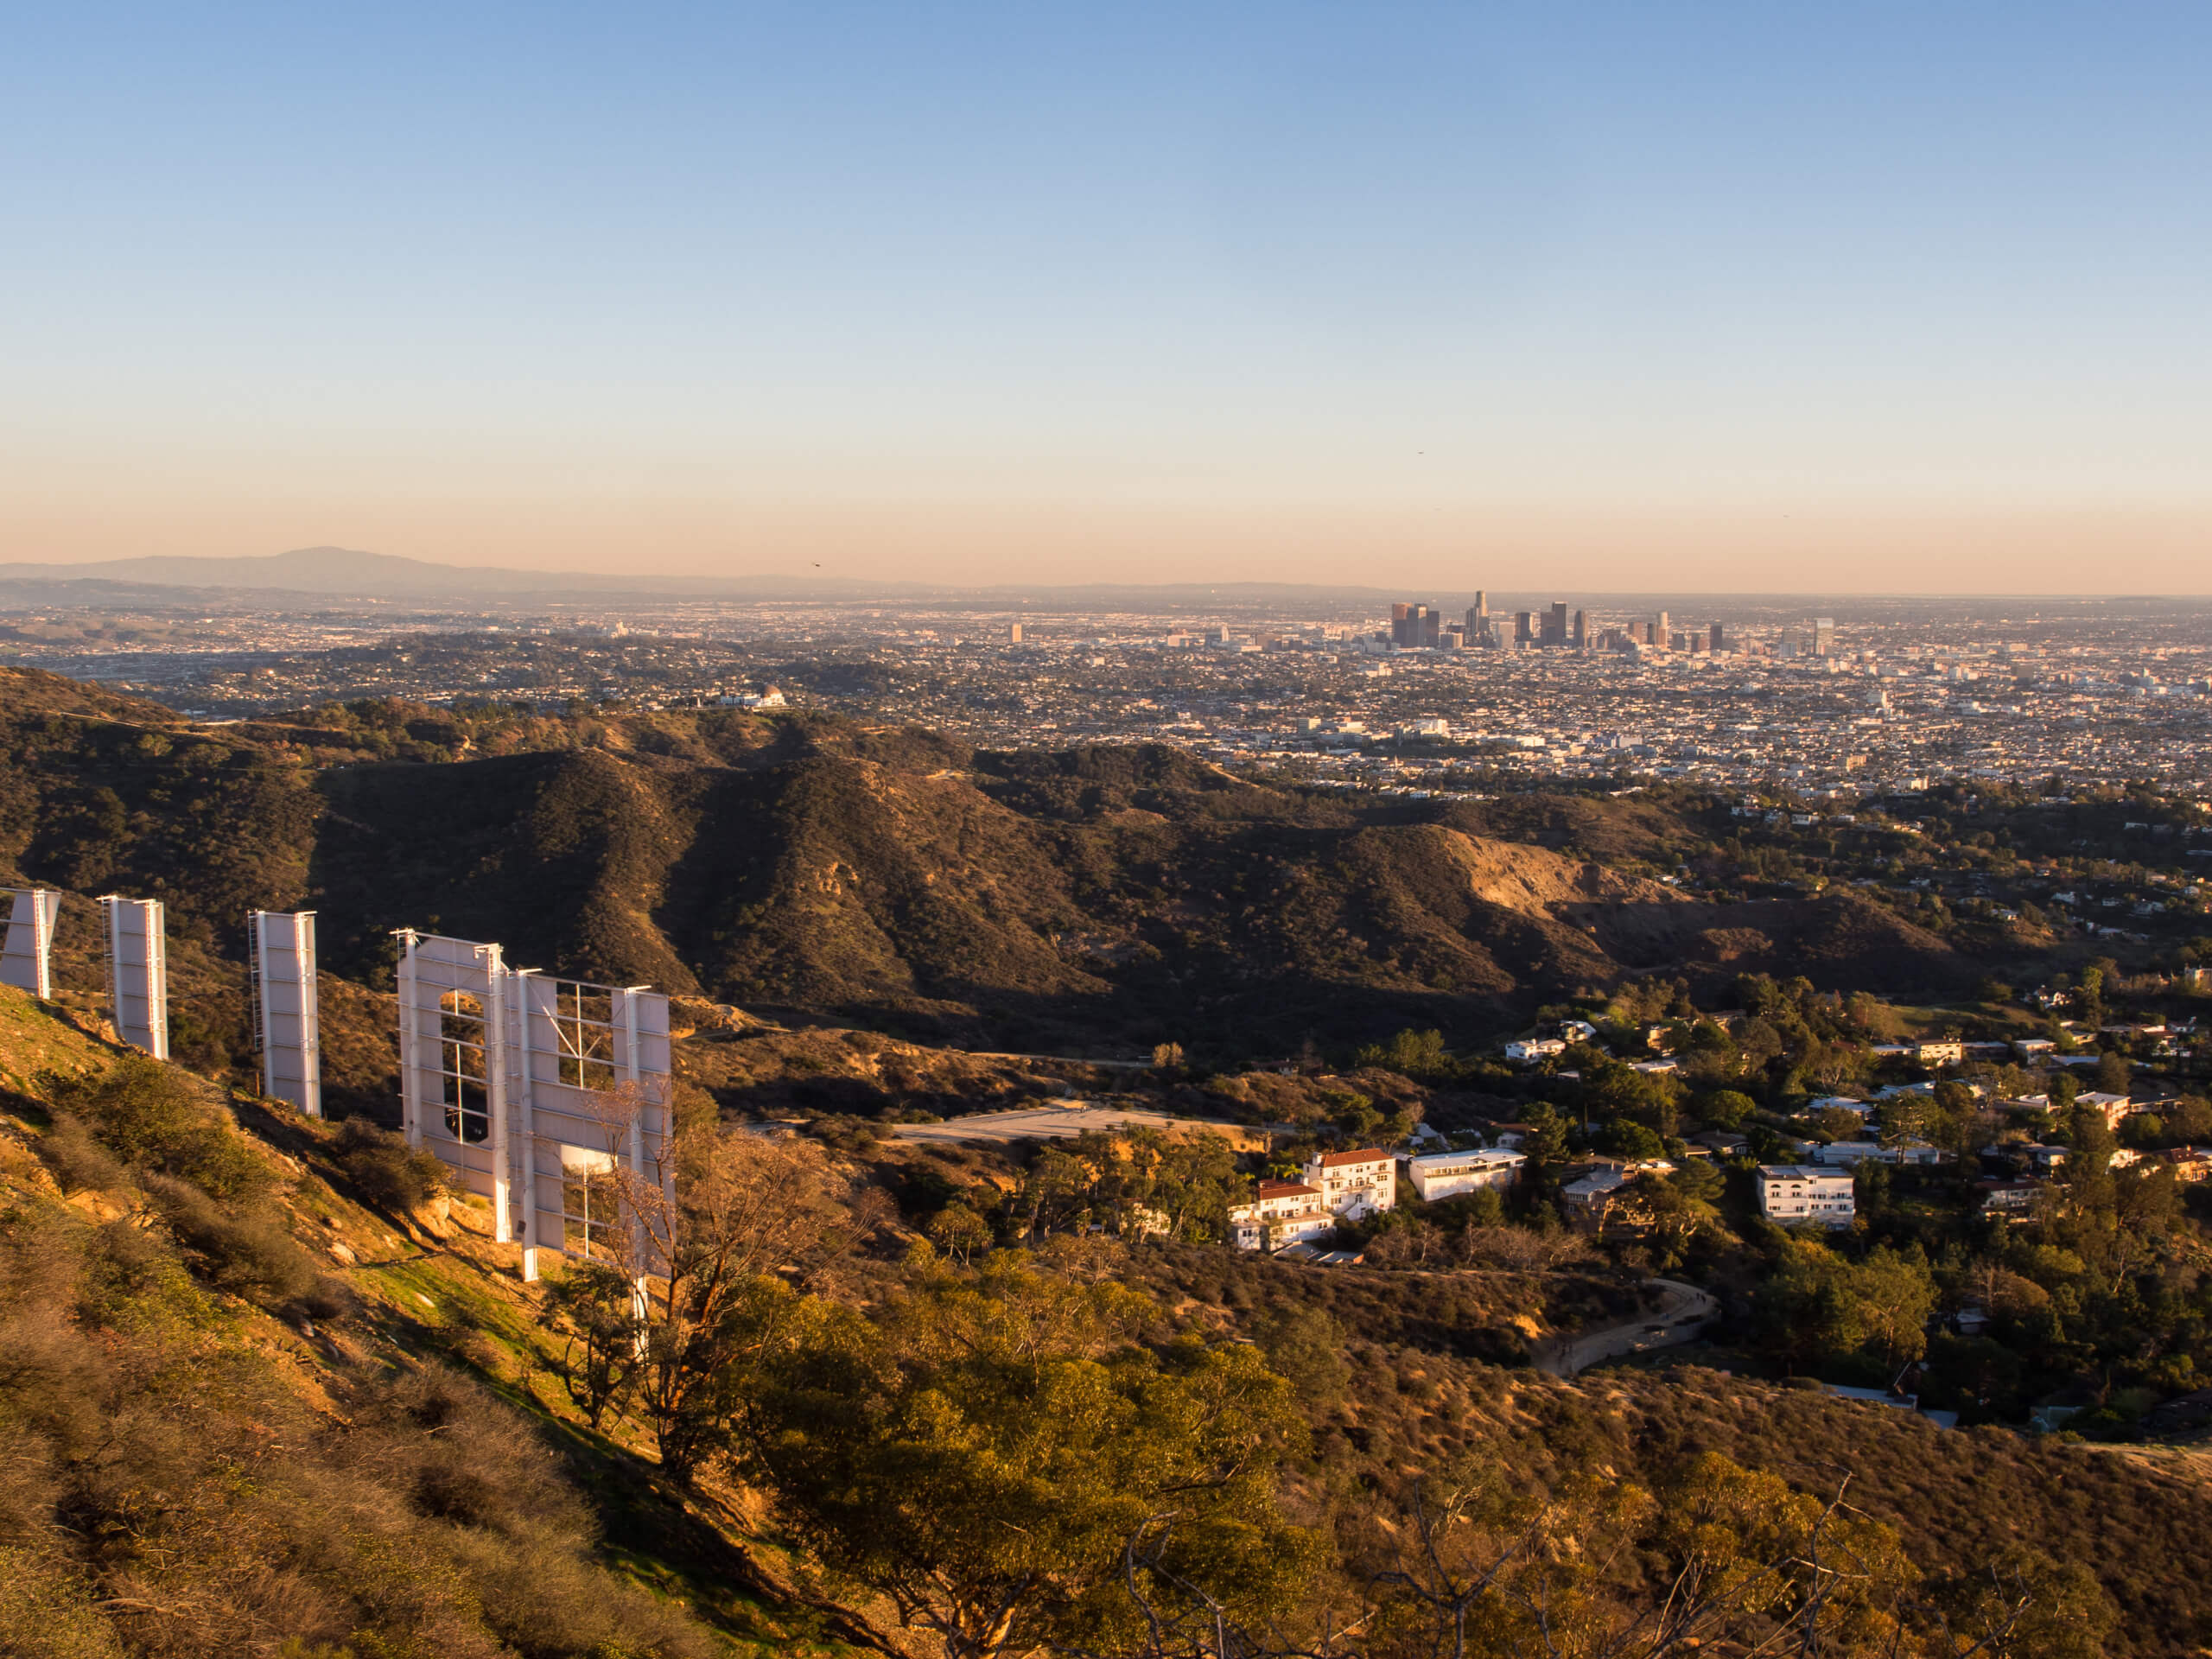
{"x": 1681, "y": 1204}
{"x": 959, "y": 1232}
{"x": 2114, "y": 1075}
{"x": 2029, "y": 1607}
{"x": 593, "y": 1306}
{"x": 1816, "y": 1307}
{"x": 1546, "y": 1145}
{"x": 1617, "y": 1091}
{"x": 1628, "y": 1139}
{"x": 2143, "y": 1129}
{"x": 1837, "y": 1123}
{"x": 2087, "y": 1174}
{"x": 1192, "y": 1184}
{"x": 1056, "y": 1193}
{"x": 2189, "y": 1119}
{"x": 1420, "y": 1055}
{"x": 1724, "y": 1108}
{"x": 984, "y": 1452}
{"x": 2089, "y": 997}
{"x": 1306, "y": 1346}
{"x": 1892, "y": 1293}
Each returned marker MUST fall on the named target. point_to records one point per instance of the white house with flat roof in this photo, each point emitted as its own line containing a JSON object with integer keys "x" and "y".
{"x": 1444, "y": 1175}
{"x": 1852, "y": 1153}
{"x": 1534, "y": 1048}
{"x": 1791, "y": 1193}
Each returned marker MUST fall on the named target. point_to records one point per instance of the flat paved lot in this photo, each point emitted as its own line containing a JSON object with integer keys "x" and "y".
{"x": 1065, "y": 1122}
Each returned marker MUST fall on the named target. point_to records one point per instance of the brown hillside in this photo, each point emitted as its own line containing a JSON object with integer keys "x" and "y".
{"x": 1089, "y": 901}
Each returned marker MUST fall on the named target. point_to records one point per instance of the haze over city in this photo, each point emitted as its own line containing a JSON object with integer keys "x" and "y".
{"x": 1712, "y": 298}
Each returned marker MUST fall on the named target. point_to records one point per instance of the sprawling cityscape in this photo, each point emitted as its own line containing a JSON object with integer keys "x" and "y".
{"x": 1855, "y": 696}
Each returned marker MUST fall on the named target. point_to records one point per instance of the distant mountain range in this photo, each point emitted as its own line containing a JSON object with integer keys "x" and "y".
{"x": 351, "y": 573}
{"x": 341, "y": 574}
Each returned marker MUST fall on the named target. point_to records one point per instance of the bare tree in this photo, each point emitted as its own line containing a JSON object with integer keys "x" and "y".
{"x": 720, "y": 1231}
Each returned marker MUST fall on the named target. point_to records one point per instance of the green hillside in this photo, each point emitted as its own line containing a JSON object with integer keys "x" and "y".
{"x": 251, "y": 1404}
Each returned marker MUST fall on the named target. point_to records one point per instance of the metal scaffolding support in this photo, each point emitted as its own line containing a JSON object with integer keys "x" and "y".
{"x": 138, "y": 972}
{"x": 26, "y": 961}
{"x": 549, "y": 1096}
{"x": 287, "y": 1029}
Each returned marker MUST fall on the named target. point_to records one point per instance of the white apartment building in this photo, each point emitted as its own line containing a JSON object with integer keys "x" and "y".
{"x": 1791, "y": 1193}
{"x": 1354, "y": 1184}
{"x": 1280, "y": 1213}
{"x": 1441, "y": 1175}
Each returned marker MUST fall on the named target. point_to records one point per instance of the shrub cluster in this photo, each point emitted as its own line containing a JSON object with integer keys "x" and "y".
{"x": 162, "y": 1492}
{"x": 146, "y": 1126}
{"x": 384, "y": 1169}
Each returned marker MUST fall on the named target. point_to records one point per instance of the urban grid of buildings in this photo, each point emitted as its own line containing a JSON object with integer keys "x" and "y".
{"x": 1882, "y": 698}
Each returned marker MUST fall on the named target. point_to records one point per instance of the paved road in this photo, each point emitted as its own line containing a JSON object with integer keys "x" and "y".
{"x": 1679, "y": 1318}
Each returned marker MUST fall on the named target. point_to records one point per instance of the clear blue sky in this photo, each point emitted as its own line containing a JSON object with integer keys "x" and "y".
{"x": 1727, "y": 296}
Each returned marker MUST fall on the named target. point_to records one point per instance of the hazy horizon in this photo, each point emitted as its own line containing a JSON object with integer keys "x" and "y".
{"x": 1601, "y": 297}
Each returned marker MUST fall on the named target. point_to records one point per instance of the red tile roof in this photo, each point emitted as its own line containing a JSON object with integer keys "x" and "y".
{"x": 1364, "y": 1155}
{"x": 1286, "y": 1190}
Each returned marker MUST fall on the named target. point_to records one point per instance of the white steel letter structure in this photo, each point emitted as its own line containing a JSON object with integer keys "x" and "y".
{"x": 25, "y": 961}
{"x": 138, "y": 973}
{"x": 546, "y": 1095}
{"x": 286, "y": 1029}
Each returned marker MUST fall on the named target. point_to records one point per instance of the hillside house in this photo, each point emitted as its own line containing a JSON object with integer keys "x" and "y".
{"x": 2190, "y": 1164}
{"x": 1840, "y": 1103}
{"x": 1281, "y": 1213}
{"x": 1791, "y": 1192}
{"x": 2114, "y": 1107}
{"x": 1590, "y": 1200}
{"x": 1354, "y": 1184}
{"x": 1939, "y": 1052}
{"x": 1443, "y": 1174}
{"x": 1534, "y": 1048}
{"x": 1850, "y": 1153}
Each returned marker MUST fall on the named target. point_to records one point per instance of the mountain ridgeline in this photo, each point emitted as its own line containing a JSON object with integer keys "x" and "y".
{"x": 1090, "y": 898}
